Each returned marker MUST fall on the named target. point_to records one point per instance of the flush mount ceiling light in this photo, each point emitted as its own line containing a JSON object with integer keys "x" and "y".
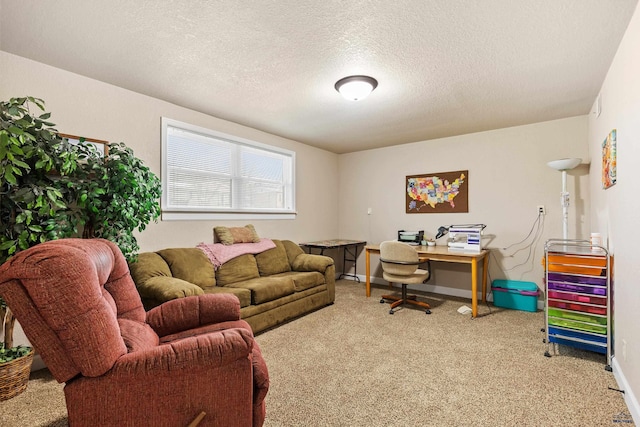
{"x": 355, "y": 88}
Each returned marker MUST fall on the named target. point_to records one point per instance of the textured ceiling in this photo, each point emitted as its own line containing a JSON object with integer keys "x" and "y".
{"x": 444, "y": 67}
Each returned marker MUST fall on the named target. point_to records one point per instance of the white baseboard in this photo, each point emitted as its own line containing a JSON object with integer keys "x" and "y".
{"x": 436, "y": 289}
{"x": 629, "y": 398}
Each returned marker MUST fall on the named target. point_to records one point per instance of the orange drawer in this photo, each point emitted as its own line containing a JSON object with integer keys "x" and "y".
{"x": 578, "y": 260}
{"x": 576, "y": 269}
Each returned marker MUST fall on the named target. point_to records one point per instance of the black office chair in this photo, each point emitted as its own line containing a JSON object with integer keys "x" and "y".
{"x": 400, "y": 265}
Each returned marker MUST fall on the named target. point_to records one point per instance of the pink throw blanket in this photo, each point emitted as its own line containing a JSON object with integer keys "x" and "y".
{"x": 219, "y": 253}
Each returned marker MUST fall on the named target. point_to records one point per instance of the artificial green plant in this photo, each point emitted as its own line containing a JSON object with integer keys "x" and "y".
{"x": 50, "y": 188}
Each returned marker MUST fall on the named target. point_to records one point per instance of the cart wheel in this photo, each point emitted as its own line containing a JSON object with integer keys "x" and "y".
{"x": 390, "y": 311}
{"x": 546, "y": 354}
{"x": 428, "y": 312}
{"x": 381, "y": 300}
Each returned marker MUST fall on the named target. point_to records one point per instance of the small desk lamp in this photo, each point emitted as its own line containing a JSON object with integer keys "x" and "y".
{"x": 563, "y": 165}
{"x": 442, "y": 231}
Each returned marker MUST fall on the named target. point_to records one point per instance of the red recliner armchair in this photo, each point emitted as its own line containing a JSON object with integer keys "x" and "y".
{"x": 122, "y": 366}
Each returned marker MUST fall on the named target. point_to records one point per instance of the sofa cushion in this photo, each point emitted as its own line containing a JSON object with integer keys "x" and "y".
{"x": 238, "y": 269}
{"x": 273, "y": 261}
{"x": 231, "y": 235}
{"x": 148, "y": 264}
{"x": 164, "y": 288}
{"x": 244, "y": 295}
{"x": 137, "y": 336}
{"x": 304, "y": 280}
{"x": 265, "y": 289}
{"x": 190, "y": 264}
{"x": 293, "y": 250}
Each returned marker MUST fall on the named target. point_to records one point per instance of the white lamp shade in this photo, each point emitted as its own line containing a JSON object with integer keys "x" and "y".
{"x": 355, "y": 88}
{"x": 564, "y": 164}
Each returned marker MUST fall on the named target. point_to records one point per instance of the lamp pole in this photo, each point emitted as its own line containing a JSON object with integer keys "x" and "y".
{"x": 564, "y": 202}
{"x": 563, "y": 165}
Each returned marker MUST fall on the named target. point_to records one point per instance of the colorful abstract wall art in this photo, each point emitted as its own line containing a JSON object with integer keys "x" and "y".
{"x": 444, "y": 192}
{"x": 609, "y": 160}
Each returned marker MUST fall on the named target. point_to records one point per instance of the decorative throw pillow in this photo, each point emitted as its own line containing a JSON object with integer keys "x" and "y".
{"x": 231, "y": 235}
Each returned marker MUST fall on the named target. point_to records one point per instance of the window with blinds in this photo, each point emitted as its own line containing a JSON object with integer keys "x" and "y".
{"x": 207, "y": 173}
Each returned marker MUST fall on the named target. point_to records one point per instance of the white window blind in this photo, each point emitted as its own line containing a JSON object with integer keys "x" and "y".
{"x": 208, "y": 172}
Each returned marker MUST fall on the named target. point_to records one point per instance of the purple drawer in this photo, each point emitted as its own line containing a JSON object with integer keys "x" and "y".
{"x": 583, "y": 289}
{"x": 584, "y": 280}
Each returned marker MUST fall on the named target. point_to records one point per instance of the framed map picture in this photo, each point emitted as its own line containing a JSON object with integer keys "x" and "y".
{"x": 609, "y": 160}
{"x": 443, "y": 192}
{"x": 100, "y": 145}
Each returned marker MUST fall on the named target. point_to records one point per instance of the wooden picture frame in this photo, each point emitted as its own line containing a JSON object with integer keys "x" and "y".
{"x": 442, "y": 192}
{"x": 100, "y": 145}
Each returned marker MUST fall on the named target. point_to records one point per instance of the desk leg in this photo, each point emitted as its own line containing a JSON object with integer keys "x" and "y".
{"x": 485, "y": 267}
{"x": 474, "y": 287}
{"x": 367, "y": 258}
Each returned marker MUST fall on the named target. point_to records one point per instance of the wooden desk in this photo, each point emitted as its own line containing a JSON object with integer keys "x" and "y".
{"x": 442, "y": 253}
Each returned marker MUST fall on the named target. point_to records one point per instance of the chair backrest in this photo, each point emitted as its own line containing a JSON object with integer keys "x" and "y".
{"x": 68, "y": 295}
{"x": 394, "y": 254}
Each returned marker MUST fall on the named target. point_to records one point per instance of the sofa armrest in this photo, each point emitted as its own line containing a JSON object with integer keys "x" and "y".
{"x": 163, "y": 288}
{"x": 191, "y": 312}
{"x": 311, "y": 262}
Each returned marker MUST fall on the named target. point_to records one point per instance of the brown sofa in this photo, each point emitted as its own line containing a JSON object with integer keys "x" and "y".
{"x": 273, "y": 286}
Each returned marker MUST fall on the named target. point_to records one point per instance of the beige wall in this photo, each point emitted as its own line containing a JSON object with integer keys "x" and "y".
{"x": 615, "y": 211}
{"x": 508, "y": 179}
{"x": 86, "y": 107}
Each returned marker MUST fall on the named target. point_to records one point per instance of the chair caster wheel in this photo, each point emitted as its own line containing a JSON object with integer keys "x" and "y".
{"x": 428, "y": 312}
{"x": 391, "y": 311}
{"x": 382, "y": 301}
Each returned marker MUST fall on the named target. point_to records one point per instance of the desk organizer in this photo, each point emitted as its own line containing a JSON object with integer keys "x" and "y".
{"x": 515, "y": 295}
{"x": 578, "y": 296}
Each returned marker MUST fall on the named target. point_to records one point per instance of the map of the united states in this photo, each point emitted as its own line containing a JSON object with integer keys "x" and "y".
{"x": 432, "y": 190}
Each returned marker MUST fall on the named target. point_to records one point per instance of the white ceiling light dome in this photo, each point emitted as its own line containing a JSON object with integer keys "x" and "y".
{"x": 355, "y": 88}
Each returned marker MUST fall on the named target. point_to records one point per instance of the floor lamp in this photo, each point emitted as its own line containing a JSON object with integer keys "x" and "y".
{"x": 563, "y": 165}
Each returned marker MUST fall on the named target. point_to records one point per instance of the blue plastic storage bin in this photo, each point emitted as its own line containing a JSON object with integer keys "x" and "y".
{"x": 515, "y": 295}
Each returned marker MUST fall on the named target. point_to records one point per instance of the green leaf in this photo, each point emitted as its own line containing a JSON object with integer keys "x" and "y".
{"x": 15, "y": 130}
{"x": 8, "y": 175}
{"x": 6, "y": 245}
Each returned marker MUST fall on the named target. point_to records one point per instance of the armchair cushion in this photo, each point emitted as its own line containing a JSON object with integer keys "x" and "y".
{"x": 137, "y": 336}
{"x": 191, "y": 312}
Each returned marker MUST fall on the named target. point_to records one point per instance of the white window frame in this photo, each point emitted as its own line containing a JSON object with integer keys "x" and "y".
{"x": 186, "y": 213}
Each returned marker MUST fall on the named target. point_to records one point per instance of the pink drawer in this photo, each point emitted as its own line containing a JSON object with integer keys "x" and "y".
{"x": 569, "y": 296}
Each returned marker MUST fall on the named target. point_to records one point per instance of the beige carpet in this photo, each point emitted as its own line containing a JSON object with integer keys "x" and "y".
{"x": 353, "y": 364}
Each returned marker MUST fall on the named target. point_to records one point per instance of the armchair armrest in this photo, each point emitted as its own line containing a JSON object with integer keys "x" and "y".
{"x": 311, "y": 262}
{"x": 213, "y": 349}
{"x": 187, "y": 313}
